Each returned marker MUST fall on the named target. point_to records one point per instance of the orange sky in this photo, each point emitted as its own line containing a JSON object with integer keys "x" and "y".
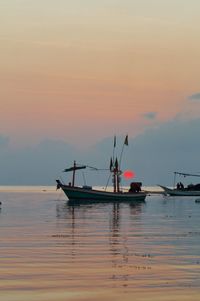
{"x": 71, "y": 68}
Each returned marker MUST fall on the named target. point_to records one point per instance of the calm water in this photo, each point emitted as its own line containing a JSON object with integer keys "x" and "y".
{"x": 51, "y": 250}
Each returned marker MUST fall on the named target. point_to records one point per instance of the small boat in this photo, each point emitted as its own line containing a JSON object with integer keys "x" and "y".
{"x": 87, "y": 193}
{"x": 180, "y": 190}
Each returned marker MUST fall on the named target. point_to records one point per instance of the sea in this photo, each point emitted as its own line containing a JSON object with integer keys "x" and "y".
{"x": 51, "y": 250}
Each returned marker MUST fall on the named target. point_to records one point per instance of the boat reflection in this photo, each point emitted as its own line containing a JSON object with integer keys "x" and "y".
{"x": 93, "y": 201}
{"x": 82, "y": 219}
{"x": 95, "y": 234}
{"x": 119, "y": 241}
{"x": 70, "y": 208}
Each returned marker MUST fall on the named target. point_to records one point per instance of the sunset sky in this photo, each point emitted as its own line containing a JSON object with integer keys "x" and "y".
{"x": 80, "y": 71}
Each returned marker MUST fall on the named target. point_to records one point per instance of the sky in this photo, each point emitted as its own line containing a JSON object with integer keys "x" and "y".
{"x": 77, "y": 72}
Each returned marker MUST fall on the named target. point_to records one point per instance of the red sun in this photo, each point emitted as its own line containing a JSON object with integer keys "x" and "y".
{"x": 128, "y": 174}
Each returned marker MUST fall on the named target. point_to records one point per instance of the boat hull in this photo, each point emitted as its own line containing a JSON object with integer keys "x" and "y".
{"x": 183, "y": 192}
{"x": 81, "y": 194}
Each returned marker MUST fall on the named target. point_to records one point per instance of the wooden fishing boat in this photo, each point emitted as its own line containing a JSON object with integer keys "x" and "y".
{"x": 179, "y": 189}
{"x": 87, "y": 193}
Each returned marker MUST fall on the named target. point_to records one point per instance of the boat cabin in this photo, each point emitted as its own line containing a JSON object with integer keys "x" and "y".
{"x": 135, "y": 187}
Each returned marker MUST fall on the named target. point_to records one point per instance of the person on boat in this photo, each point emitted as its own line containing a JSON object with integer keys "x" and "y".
{"x": 181, "y": 185}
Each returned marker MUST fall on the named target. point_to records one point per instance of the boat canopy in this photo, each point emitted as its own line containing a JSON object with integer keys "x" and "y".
{"x": 74, "y": 168}
{"x": 186, "y": 174}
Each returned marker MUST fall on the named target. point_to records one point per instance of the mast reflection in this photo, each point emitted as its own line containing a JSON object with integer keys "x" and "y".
{"x": 119, "y": 241}
{"x": 98, "y": 224}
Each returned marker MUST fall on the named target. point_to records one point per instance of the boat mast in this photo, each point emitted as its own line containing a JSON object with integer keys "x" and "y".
{"x": 73, "y": 169}
{"x": 116, "y": 175}
{"x": 118, "y": 181}
{"x": 114, "y": 180}
{"x": 175, "y": 178}
{"x": 115, "y": 171}
{"x": 73, "y": 175}
{"x": 115, "y": 166}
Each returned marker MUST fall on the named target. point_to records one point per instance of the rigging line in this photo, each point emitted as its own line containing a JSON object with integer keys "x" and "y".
{"x": 95, "y": 168}
{"x": 102, "y": 169}
{"x": 92, "y": 167}
{"x": 114, "y": 145}
{"x": 125, "y": 143}
{"x": 61, "y": 180}
{"x": 107, "y": 181}
{"x": 84, "y": 180}
{"x": 120, "y": 159}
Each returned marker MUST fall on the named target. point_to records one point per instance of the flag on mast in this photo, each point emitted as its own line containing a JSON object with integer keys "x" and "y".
{"x": 111, "y": 164}
{"x": 126, "y": 140}
{"x": 116, "y": 164}
{"x": 114, "y": 141}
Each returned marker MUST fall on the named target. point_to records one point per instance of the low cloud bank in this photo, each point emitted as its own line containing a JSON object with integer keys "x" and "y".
{"x": 153, "y": 156}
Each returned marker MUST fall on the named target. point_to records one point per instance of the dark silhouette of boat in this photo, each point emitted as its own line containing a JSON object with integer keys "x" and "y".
{"x": 180, "y": 190}
{"x": 87, "y": 193}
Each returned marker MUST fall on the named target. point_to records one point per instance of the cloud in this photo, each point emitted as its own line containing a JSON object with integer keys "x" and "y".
{"x": 38, "y": 165}
{"x": 150, "y": 115}
{"x": 173, "y": 146}
{"x": 195, "y": 96}
{"x": 153, "y": 155}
